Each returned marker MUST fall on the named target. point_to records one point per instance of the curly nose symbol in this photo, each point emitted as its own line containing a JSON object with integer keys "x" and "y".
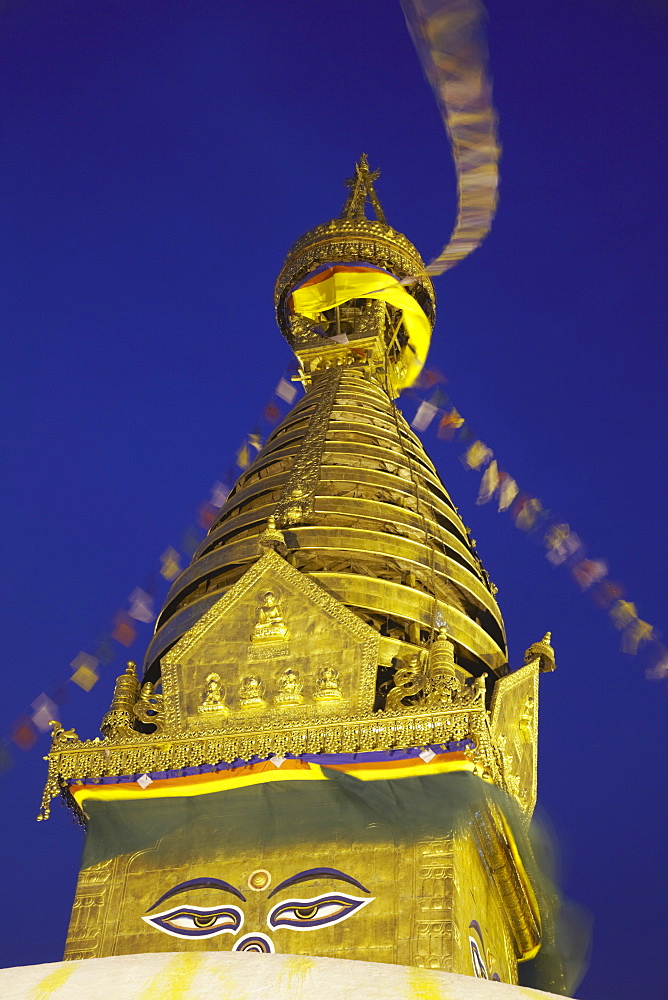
{"x": 255, "y": 942}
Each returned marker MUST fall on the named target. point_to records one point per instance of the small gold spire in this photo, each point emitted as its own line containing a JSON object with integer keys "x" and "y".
{"x": 544, "y": 652}
{"x": 120, "y": 714}
{"x": 272, "y": 537}
{"x": 361, "y": 191}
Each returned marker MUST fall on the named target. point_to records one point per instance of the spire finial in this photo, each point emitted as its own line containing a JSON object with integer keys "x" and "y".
{"x": 361, "y": 191}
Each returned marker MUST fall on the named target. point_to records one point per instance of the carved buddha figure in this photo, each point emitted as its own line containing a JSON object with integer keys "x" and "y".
{"x": 270, "y": 626}
{"x": 251, "y": 692}
{"x": 327, "y": 685}
{"x": 289, "y": 688}
{"x": 214, "y": 696}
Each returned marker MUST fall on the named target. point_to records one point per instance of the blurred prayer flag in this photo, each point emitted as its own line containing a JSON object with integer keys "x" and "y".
{"x": 635, "y": 633}
{"x": 170, "y": 567}
{"x": 477, "y": 455}
{"x": 659, "y": 670}
{"x": 622, "y": 613}
{"x": 561, "y": 543}
{"x": 123, "y": 631}
{"x": 429, "y": 377}
{"x": 85, "y": 678}
{"x": 206, "y": 515}
{"x": 104, "y": 651}
{"x": 488, "y": 483}
{"x": 589, "y": 571}
{"x": 424, "y": 416}
{"x": 508, "y": 490}
{"x": 526, "y": 512}
{"x": 606, "y": 593}
{"x": 219, "y": 494}
{"x": 44, "y": 710}
{"x": 23, "y": 734}
{"x": 243, "y": 456}
{"x": 285, "y": 391}
{"x": 450, "y": 422}
{"x": 190, "y": 541}
{"x": 271, "y": 413}
{"x": 141, "y": 606}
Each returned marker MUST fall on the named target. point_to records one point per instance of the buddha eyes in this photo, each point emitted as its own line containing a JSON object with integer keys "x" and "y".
{"x": 198, "y": 921}
{"x": 308, "y": 914}
{"x": 295, "y": 914}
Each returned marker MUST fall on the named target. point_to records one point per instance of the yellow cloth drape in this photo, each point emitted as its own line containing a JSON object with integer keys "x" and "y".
{"x": 342, "y": 286}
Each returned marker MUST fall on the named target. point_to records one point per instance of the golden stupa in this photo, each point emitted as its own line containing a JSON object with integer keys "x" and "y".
{"x": 327, "y": 737}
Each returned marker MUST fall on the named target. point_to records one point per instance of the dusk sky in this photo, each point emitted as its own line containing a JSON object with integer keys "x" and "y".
{"x": 158, "y": 158}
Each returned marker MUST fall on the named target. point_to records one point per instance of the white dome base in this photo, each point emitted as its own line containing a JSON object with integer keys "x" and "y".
{"x": 215, "y": 975}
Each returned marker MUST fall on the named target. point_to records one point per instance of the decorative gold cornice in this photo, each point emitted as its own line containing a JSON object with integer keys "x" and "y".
{"x": 73, "y": 759}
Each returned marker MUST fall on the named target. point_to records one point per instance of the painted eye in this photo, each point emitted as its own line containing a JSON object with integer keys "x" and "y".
{"x": 309, "y": 914}
{"x": 198, "y": 921}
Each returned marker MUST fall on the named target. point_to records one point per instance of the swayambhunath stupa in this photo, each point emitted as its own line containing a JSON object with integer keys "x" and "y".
{"x": 322, "y": 777}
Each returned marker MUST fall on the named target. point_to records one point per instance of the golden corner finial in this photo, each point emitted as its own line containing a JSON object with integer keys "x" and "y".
{"x": 272, "y": 537}
{"x": 361, "y": 191}
{"x": 543, "y": 652}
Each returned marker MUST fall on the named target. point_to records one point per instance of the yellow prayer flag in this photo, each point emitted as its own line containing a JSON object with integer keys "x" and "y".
{"x": 85, "y": 678}
{"x": 170, "y": 567}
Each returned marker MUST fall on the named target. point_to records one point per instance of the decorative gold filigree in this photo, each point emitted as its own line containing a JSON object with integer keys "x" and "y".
{"x": 408, "y": 682}
{"x": 296, "y": 503}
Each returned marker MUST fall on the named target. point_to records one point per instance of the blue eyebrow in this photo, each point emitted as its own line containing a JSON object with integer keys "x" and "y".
{"x": 198, "y": 883}
{"x": 312, "y": 873}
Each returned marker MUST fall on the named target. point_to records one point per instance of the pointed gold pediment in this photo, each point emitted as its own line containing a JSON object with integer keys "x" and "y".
{"x": 276, "y": 646}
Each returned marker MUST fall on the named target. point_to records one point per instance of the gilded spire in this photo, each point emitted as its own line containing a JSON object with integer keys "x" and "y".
{"x": 361, "y": 191}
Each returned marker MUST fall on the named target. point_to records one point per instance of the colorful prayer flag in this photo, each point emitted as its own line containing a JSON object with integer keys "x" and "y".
{"x": 285, "y": 391}
{"x": 508, "y": 490}
{"x": 589, "y": 571}
{"x": 243, "y": 456}
{"x": 219, "y": 494}
{"x": 141, "y": 606}
{"x": 123, "y": 631}
{"x": 477, "y": 455}
{"x": 450, "y": 422}
{"x": 44, "y": 711}
{"x": 170, "y": 567}
{"x": 424, "y": 416}
{"x": 488, "y": 483}
{"x": 85, "y": 673}
{"x": 23, "y": 734}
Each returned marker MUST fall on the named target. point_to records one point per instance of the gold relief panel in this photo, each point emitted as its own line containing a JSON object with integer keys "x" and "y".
{"x": 275, "y": 645}
{"x": 514, "y": 730}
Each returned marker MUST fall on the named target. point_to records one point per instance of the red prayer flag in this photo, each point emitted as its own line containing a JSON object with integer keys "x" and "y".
{"x": 124, "y": 631}
{"x": 24, "y": 733}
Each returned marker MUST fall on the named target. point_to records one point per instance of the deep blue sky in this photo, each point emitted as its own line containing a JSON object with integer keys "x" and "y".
{"x": 158, "y": 158}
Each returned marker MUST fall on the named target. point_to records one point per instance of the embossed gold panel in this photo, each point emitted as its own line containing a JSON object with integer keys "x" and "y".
{"x": 514, "y": 724}
{"x": 276, "y": 644}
